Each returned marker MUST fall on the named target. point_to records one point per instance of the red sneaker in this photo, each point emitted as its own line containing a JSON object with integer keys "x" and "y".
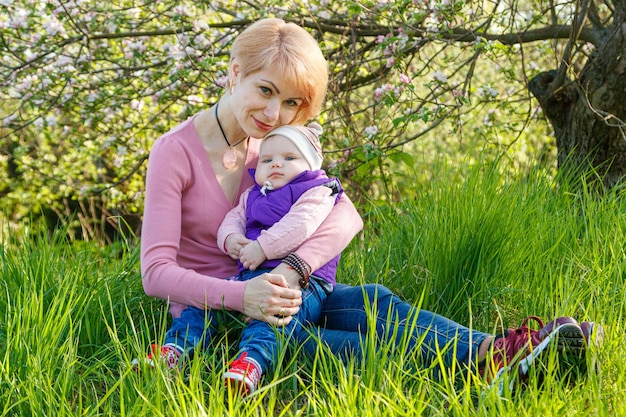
{"x": 244, "y": 375}
{"x": 168, "y": 355}
{"x": 519, "y": 348}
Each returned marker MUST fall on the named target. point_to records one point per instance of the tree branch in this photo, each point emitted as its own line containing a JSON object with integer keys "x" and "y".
{"x": 579, "y": 21}
{"x": 549, "y": 32}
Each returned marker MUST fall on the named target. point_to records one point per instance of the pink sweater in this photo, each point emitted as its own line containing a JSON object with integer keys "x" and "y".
{"x": 184, "y": 206}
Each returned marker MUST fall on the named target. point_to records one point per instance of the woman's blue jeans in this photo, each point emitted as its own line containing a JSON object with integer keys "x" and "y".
{"x": 344, "y": 324}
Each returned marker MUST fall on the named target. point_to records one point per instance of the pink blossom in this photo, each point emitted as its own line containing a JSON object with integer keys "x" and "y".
{"x": 181, "y": 10}
{"x": 53, "y": 26}
{"x": 19, "y": 19}
{"x": 64, "y": 60}
{"x": 136, "y": 104}
{"x": 202, "y": 41}
{"x": 405, "y": 79}
{"x": 336, "y": 163}
{"x": 371, "y": 131}
{"x": 380, "y": 91}
{"x": 222, "y": 81}
{"x": 200, "y": 26}
{"x": 26, "y": 84}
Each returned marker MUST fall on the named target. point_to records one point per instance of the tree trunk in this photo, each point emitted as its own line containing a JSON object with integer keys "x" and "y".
{"x": 588, "y": 114}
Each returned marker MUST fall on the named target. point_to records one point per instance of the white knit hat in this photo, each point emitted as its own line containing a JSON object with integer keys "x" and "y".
{"x": 306, "y": 139}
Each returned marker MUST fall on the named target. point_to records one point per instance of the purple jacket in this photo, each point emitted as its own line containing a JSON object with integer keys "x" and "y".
{"x": 262, "y": 211}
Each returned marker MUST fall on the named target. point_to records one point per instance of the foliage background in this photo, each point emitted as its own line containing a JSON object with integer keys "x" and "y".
{"x": 86, "y": 87}
{"x": 436, "y": 138}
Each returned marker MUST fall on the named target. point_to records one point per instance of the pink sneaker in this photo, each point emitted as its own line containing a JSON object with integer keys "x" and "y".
{"x": 520, "y": 348}
{"x": 571, "y": 336}
{"x": 244, "y": 375}
{"x": 168, "y": 355}
{"x": 594, "y": 333}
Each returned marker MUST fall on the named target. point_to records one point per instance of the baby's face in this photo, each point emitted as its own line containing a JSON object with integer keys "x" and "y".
{"x": 279, "y": 161}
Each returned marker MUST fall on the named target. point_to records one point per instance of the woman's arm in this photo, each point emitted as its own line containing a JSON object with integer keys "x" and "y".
{"x": 333, "y": 235}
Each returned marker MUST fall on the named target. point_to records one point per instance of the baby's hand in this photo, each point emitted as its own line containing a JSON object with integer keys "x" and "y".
{"x": 252, "y": 255}
{"x": 234, "y": 243}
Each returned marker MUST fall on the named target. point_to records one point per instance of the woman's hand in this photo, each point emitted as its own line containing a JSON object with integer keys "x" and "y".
{"x": 268, "y": 298}
{"x": 290, "y": 274}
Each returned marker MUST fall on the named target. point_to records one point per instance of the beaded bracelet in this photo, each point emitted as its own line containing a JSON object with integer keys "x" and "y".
{"x": 297, "y": 264}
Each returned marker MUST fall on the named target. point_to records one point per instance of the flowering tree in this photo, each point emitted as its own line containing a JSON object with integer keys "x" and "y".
{"x": 87, "y": 86}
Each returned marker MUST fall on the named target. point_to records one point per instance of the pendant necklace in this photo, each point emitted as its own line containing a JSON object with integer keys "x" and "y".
{"x": 229, "y": 158}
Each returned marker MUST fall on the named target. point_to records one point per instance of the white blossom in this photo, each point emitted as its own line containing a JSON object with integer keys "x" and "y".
{"x": 19, "y": 19}
{"x": 51, "y": 120}
{"x": 53, "y": 26}
{"x": 487, "y": 91}
{"x": 371, "y": 131}
{"x": 440, "y": 76}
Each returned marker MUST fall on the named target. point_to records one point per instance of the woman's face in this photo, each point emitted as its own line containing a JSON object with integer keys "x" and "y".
{"x": 262, "y": 101}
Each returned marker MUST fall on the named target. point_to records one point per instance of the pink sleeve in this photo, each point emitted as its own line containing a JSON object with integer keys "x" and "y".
{"x": 234, "y": 222}
{"x": 333, "y": 235}
{"x": 169, "y": 240}
{"x": 302, "y": 220}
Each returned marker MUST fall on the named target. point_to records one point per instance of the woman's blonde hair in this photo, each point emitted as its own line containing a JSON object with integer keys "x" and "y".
{"x": 293, "y": 51}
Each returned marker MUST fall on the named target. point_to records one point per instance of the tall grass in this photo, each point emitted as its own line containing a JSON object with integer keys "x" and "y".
{"x": 479, "y": 247}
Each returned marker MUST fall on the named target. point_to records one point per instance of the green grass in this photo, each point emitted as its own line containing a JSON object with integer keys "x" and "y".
{"x": 482, "y": 248}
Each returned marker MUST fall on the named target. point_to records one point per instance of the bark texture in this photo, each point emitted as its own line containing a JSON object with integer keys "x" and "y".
{"x": 588, "y": 114}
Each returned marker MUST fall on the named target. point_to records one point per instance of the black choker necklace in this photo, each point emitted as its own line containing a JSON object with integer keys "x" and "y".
{"x": 229, "y": 158}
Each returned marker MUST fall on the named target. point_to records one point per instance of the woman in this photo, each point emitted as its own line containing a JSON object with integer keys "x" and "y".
{"x": 277, "y": 76}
